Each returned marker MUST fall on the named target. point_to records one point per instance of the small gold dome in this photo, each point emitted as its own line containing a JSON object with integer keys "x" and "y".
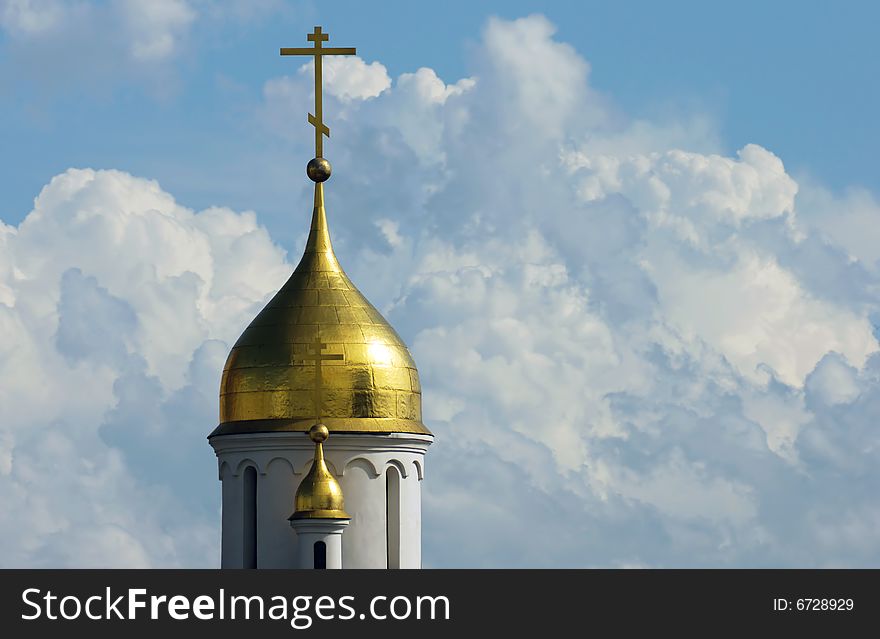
{"x": 319, "y": 495}
{"x": 369, "y": 381}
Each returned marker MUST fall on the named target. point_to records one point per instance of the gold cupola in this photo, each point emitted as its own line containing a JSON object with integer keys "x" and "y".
{"x": 319, "y": 352}
{"x": 319, "y": 341}
{"x": 319, "y": 495}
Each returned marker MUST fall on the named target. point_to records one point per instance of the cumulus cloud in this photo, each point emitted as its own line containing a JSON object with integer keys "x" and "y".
{"x": 852, "y": 227}
{"x": 661, "y": 355}
{"x": 349, "y": 77}
{"x": 113, "y": 306}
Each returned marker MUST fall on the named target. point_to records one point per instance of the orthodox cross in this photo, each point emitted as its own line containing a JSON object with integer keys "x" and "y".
{"x": 318, "y": 51}
{"x": 315, "y": 355}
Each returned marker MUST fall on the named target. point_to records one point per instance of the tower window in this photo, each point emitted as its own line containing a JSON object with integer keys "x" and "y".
{"x": 320, "y": 555}
{"x": 249, "y": 518}
{"x": 392, "y": 517}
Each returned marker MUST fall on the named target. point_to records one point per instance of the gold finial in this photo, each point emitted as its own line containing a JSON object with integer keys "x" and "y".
{"x": 318, "y": 169}
{"x": 319, "y": 434}
{"x": 319, "y": 495}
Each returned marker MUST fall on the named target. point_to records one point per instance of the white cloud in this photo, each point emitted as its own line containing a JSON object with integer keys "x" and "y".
{"x": 665, "y": 356}
{"x": 541, "y": 83}
{"x": 757, "y": 314}
{"x": 28, "y": 17}
{"x": 156, "y": 26}
{"x": 701, "y": 189}
{"x": 349, "y": 77}
{"x": 834, "y": 381}
{"x": 848, "y": 222}
{"x": 686, "y": 490}
{"x": 149, "y": 244}
{"x": 145, "y": 31}
{"x": 109, "y": 322}
{"x": 92, "y": 47}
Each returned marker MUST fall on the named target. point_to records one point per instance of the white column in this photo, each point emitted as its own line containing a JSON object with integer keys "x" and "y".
{"x": 276, "y": 540}
{"x": 233, "y": 528}
{"x": 393, "y": 512}
{"x": 411, "y": 521}
{"x": 365, "y": 501}
{"x": 311, "y": 531}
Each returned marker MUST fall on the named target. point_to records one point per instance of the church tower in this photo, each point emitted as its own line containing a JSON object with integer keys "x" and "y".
{"x": 320, "y": 444}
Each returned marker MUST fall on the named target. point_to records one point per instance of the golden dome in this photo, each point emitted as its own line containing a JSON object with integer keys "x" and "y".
{"x": 319, "y": 495}
{"x": 368, "y": 380}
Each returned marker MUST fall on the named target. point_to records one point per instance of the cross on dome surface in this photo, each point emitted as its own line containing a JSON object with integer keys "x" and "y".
{"x": 317, "y": 357}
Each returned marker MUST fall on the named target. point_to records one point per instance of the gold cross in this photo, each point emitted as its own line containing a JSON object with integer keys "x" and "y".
{"x": 318, "y": 52}
{"x": 318, "y": 357}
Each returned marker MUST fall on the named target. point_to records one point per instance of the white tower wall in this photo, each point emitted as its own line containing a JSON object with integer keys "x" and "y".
{"x": 311, "y": 531}
{"x": 232, "y": 542}
{"x": 276, "y": 541}
{"x": 358, "y": 461}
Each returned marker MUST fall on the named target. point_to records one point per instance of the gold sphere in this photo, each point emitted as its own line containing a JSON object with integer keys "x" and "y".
{"x": 319, "y": 433}
{"x": 318, "y": 170}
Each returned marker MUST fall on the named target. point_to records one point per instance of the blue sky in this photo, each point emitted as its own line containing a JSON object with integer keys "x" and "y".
{"x": 633, "y": 247}
{"x": 799, "y": 78}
